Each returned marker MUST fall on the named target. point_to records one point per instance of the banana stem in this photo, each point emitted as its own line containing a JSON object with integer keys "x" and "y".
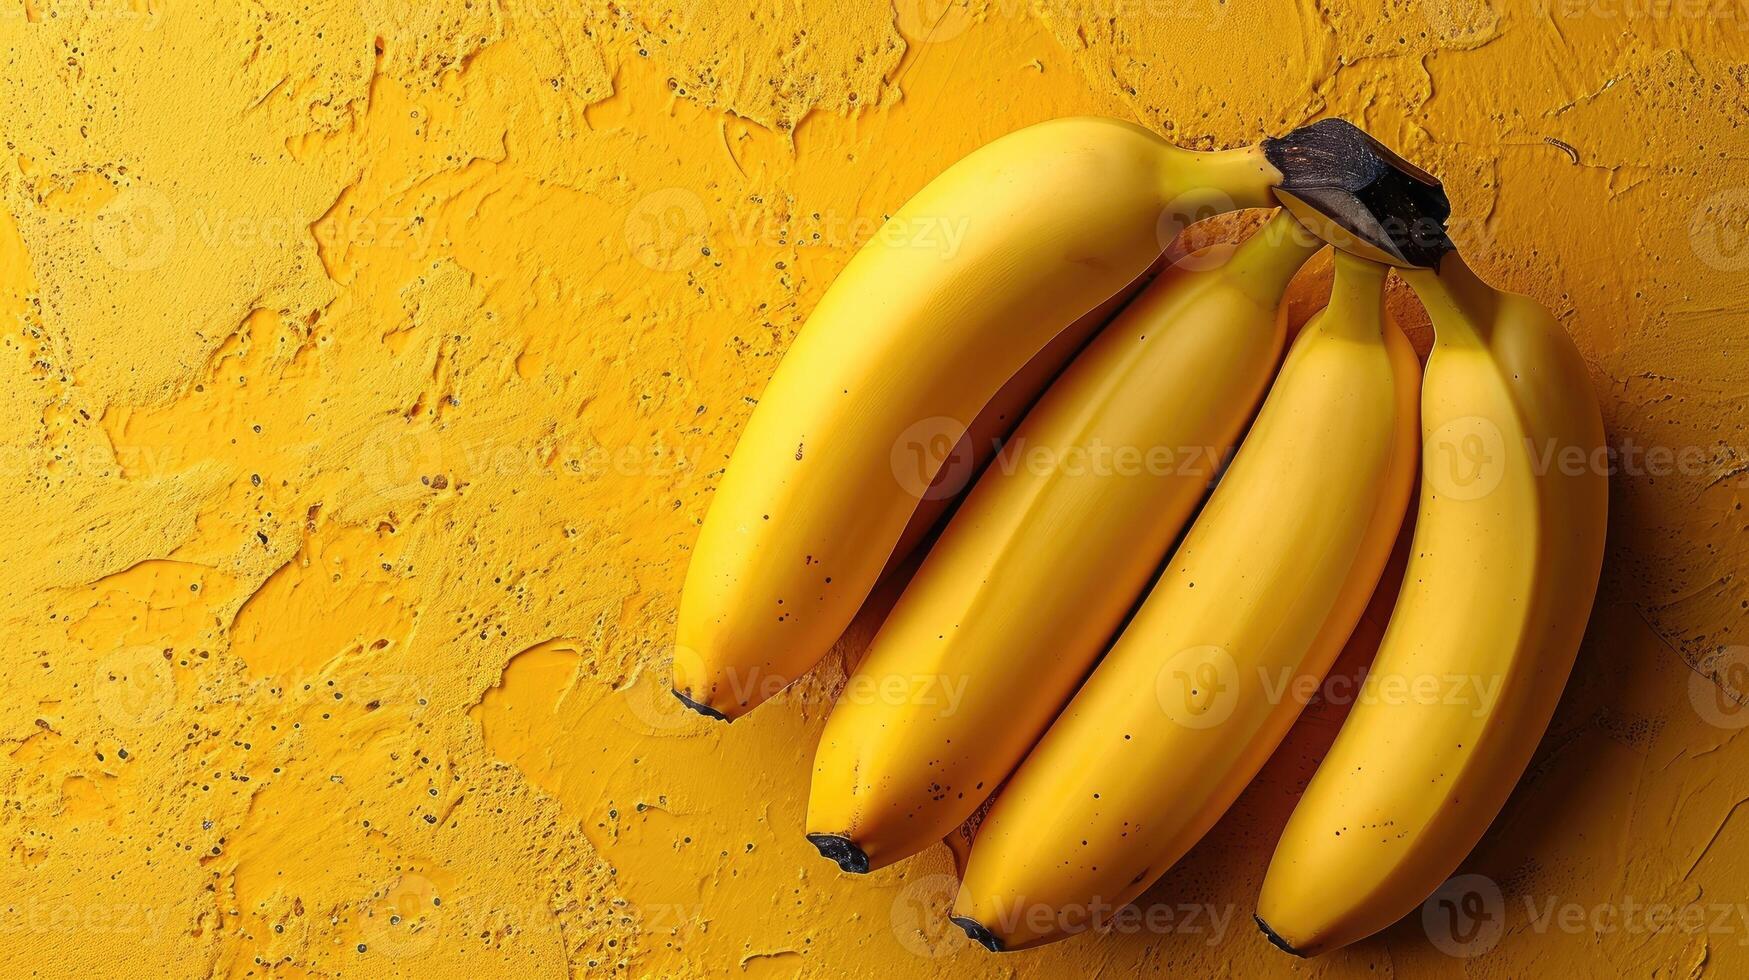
{"x": 1357, "y": 299}
{"x": 1221, "y": 181}
{"x": 1458, "y": 302}
{"x": 1263, "y": 264}
{"x": 1359, "y": 195}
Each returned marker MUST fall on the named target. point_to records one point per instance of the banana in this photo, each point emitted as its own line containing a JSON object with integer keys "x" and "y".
{"x": 1036, "y": 571}
{"x": 1220, "y": 658}
{"x": 1044, "y": 225}
{"x": 997, "y": 421}
{"x": 1507, "y": 551}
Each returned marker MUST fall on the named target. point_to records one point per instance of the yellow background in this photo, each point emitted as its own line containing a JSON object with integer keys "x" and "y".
{"x": 365, "y": 367}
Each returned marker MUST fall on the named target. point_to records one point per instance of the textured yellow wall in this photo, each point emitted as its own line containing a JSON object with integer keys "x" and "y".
{"x": 366, "y": 365}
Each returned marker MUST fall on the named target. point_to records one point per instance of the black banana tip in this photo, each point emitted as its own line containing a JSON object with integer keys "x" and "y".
{"x": 1337, "y": 172}
{"x": 703, "y": 709}
{"x": 1275, "y": 938}
{"x": 979, "y": 934}
{"x": 842, "y": 851}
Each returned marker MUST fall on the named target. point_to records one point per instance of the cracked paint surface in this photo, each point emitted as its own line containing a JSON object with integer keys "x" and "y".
{"x": 366, "y": 367}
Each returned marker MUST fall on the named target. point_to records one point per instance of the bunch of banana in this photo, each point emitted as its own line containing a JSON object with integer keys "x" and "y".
{"x": 1207, "y": 677}
{"x": 1037, "y": 569}
{"x": 1056, "y": 218}
{"x": 1507, "y": 551}
{"x": 971, "y": 683}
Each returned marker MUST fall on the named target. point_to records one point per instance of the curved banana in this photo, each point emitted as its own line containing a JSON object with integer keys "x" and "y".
{"x": 965, "y": 283}
{"x": 1036, "y": 571}
{"x": 1508, "y": 547}
{"x": 1218, "y": 661}
{"x": 997, "y": 421}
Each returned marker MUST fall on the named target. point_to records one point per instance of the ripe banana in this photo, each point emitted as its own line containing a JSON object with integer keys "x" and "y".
{"x": 1507, "y": 550}
{"x": 1036, "y": 571}
{"x": 997, "y": 421}
{"x": 1049, "y": 222}
{"x": 1220, "y": 658}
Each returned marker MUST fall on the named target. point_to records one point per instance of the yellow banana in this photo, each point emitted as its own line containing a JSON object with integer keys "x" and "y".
{"x": 1218, "y": 661}
{"x": 997, "y": 421}
{"x": 1508, "y": 546}
{"x": 1036, "y": 571}
{"x": 965, "y": 284}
